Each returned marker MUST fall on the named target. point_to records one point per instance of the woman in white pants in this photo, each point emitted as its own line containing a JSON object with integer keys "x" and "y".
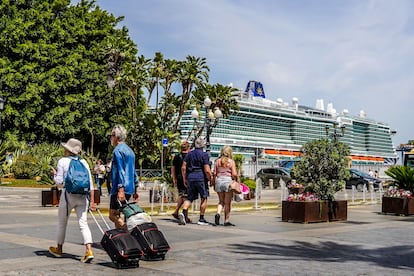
{"x": 69, "y": 201}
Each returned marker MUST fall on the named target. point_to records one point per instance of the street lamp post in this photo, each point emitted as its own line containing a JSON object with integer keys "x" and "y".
{"x": 211, "y": 120}
{"x": 335, "y": 134}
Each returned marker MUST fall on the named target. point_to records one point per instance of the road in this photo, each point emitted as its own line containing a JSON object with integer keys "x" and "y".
{"x": 368, "y": 243}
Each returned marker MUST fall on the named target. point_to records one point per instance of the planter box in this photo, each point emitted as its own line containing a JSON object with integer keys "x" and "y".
{"x": 314, "y": 211}
{"x": 52, "y": 197}
{"x": 398, "y": 206}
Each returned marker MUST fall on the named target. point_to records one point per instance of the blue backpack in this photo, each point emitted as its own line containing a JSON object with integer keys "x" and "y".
{"x": 77, "y": 177}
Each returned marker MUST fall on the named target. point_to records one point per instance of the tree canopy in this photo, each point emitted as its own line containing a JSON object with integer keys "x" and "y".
{"x": 71, "y": 71}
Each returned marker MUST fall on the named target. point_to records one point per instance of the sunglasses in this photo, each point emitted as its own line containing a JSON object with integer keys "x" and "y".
{"x": 111, "y": 135}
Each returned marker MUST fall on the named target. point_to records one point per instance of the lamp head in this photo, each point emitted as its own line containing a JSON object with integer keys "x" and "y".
{"x": 194, "y": 113}
{"x": 207, "y": 102}
{"x": 217, "y": 113}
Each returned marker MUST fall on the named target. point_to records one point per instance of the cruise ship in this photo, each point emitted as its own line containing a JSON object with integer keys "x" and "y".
{"x": 272, "y": 131}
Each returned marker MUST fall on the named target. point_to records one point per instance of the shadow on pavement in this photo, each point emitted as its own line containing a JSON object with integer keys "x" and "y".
{"x": 64, "y": 255}
{"x": 390, "y": 257}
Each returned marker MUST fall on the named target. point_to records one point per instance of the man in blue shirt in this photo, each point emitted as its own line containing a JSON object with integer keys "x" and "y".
{"x": 123, "y": 175}
{"x": 196, "y": 175}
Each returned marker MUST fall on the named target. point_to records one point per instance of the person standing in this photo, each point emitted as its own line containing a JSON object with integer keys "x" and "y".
{"x": 99, "y": 171}
{"x": 196, "y": 175}
{"x": 370, "y": 173}
{"x": 224, "y": 173}
{"x": 177, "y": 176}
{"x": 69, "y": 201}
{"x": 108, "y": 175}
{"x": 124, "y": 177}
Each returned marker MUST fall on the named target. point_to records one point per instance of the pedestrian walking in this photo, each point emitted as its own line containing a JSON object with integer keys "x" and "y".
{"x": 177, "y": 176}
{"x": 108, "y": 175}
{"x": 196, "y": 176}
{"x": 69, "y": 201}
{"x": 99, "y": 172}
{"x": 224, "y": 173}
{"x": 124, "y": 177}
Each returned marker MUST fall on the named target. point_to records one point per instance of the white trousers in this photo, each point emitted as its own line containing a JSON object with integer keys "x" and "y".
{"x": 80, "y": 204}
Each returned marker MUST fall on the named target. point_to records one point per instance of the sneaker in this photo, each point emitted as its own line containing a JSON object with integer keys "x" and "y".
{"x": 217, "y": 219}
{"x": 88, "y": 257}
{"x": 229, "y": 224}
{"x": 55, "y": 251}
{"x": 202, "y": 222}
{"x": 175, "y": 215}
{"x": 182, "y": 219}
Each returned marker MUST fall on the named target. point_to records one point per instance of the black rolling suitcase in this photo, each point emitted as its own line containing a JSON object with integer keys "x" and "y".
{"x": 123, "y": 249}
{"x": 152, "y": 241}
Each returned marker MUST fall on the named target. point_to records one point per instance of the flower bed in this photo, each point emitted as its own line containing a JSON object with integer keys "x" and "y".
{"x": 302, "y": 197}
{"x": 398, "y": 201}
{"x": 295, "y": 188}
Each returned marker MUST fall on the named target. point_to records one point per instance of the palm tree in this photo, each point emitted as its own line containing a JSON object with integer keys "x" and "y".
{"x": 156, "y": 72}
{"x": 192, "y": 72}
{"x": 403, "y": 177}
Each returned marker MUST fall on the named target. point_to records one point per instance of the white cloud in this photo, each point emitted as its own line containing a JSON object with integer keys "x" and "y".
{"x": 355, "y": 53}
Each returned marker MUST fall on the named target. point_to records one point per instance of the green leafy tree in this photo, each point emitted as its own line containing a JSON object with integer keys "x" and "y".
{"x": 52, "y": 68}
{"x": 323, "y": 167}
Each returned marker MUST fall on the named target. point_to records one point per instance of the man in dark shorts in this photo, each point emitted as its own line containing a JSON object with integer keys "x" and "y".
{"x": 196, "y": 175}
{"x": 177, "y": 177}
{"x": 124, "y": 177}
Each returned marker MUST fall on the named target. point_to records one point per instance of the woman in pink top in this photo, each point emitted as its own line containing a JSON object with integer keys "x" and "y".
{"x": 224, "y": 173}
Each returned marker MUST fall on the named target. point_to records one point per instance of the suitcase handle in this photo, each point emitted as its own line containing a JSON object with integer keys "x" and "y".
{"x": 96, "y": 221}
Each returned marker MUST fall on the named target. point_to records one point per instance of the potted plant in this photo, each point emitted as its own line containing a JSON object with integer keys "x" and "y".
{"x": 398, "y": 198}
{"x": 322, "y": 170}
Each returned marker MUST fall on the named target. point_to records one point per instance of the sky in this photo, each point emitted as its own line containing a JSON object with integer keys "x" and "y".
{"x": 356, "y": 54}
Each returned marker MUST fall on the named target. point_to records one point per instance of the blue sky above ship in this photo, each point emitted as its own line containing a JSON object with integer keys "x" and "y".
{"x": 356, "y": 54}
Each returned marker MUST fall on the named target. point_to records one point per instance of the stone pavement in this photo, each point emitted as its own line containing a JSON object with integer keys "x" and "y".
{"x": 369, "y": 243}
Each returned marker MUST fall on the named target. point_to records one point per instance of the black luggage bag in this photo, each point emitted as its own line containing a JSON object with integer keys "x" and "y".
{"x": 123, "y": 249}
{"x": 152, "y": 241}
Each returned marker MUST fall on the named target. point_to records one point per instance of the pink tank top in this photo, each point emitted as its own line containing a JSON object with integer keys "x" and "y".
{"x": 223, "y": 171}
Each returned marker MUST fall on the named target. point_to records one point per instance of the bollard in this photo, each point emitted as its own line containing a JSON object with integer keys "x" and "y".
{"x": 381, "y": 191}
{"x": 371, "y": 188}
{"x": 353, "y": 193}
{"x": 364, "y": 190}
{"x": 256, "y": 191}
{"x": 271, "y": 184}
{"x": 162, "y": 197}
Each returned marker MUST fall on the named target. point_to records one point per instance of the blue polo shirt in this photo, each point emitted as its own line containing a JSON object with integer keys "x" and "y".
{"x": 196, "y": 159}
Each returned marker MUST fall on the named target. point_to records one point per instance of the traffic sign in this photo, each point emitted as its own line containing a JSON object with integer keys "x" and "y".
{"x": 165, "y": 142}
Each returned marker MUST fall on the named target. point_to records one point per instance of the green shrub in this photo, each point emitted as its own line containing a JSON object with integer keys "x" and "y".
{"x": 24, "y": 167}
{"x": 251, "y": 183}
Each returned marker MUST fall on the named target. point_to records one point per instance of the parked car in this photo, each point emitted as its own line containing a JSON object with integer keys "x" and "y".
{"x": 359, "y": 178}
{"x": 276, "y": 174}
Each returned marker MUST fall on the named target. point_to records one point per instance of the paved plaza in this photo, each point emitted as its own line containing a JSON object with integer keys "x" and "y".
{"x": 368, "y": 243}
